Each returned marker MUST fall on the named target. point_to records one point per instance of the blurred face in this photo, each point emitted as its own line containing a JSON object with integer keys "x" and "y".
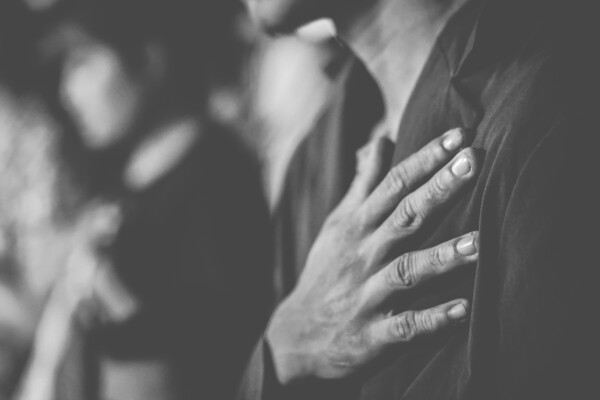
{"x": 287, "y": 15}
{"x": 103, "y": 98}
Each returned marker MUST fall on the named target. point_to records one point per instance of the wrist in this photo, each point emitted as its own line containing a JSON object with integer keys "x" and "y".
{"x": 282, "y": 337}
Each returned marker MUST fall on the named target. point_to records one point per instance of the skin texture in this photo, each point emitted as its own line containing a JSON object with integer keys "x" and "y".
{"x": 335, "y": 322}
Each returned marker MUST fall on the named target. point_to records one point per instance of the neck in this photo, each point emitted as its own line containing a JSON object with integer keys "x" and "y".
{"x": 394, "y": 39}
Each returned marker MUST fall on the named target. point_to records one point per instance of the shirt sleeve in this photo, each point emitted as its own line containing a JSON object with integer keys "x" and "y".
{"x": 546, "y": 335}
{"x": 533, "y": 332}
{"x": 259, "y": 381}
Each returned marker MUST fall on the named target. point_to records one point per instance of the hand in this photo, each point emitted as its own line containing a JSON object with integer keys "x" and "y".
{"x": 335, "y": 323}
{"x": 90, "y": 276}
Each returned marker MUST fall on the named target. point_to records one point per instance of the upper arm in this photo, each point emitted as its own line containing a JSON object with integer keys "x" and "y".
{"x": 545, "y": 267}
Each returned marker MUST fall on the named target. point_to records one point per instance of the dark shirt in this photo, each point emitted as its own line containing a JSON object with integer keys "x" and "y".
{"x": 520, "y": 77}
{"x": 193, "y": 249}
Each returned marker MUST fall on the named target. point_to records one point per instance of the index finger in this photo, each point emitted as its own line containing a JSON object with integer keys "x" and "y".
{"x": 410, "y": 173}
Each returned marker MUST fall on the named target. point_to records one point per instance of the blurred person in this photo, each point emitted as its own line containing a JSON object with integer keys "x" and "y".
{"x": 124, "y": 346}
{"x": 290, "y": 86}
{"x": 520, "y": 77}
{"x": 25, "y": 180}
{"x": 140, "y": 338}
{"x": 28, "y": 177}
{"x": 164, "y": 281}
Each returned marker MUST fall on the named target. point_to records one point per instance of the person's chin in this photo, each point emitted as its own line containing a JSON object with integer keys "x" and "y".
{"x": 284, "y": 16}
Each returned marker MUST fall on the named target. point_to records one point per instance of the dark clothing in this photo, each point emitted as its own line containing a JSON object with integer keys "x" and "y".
{"x": 193, "y": 249}
{"x": 518, "y": 75}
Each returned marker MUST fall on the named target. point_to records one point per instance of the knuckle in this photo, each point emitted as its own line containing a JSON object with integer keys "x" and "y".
{"x": 438, "y": 256}
{"x": 431, "y": 193}
{"x": 428, "y": 158}
{"x": 396, "y": 180}
{"x": 438, "y": 187}
{"x": 404, "y": 327}
{"x": 402, "y": 272}
{"x": 434, "y": 193}
{"x": 406, "y": 215}
{"x": 425, "y": 323}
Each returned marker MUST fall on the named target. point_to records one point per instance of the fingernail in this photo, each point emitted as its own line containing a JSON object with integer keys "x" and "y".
{"x": 453, "y": 140}
{"x": 458, "y": 312}
{"x": 466, "y": 246}
{"x": 461, "y": 167}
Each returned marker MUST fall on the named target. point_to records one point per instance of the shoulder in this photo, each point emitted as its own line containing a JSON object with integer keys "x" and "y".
{"x": 543, "y": 101}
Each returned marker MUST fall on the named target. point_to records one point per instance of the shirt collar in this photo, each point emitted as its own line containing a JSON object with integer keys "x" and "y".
{"x": 475, "y": 37}
{"x": 457, "y": 40}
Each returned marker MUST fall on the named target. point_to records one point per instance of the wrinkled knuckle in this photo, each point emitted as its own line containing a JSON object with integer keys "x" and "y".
{"x": 404, "y": 327}
{"x": 425, "y": 323}
{"x": 431, "y": 193}
{"x": 437, "y": 188}
{"x": 396, "y": 181}
{"x": 437, "y": 257}
{"x": 405, "y": 216}
{"x": 341, "y": 361}
{"x": 401, "y": 273}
